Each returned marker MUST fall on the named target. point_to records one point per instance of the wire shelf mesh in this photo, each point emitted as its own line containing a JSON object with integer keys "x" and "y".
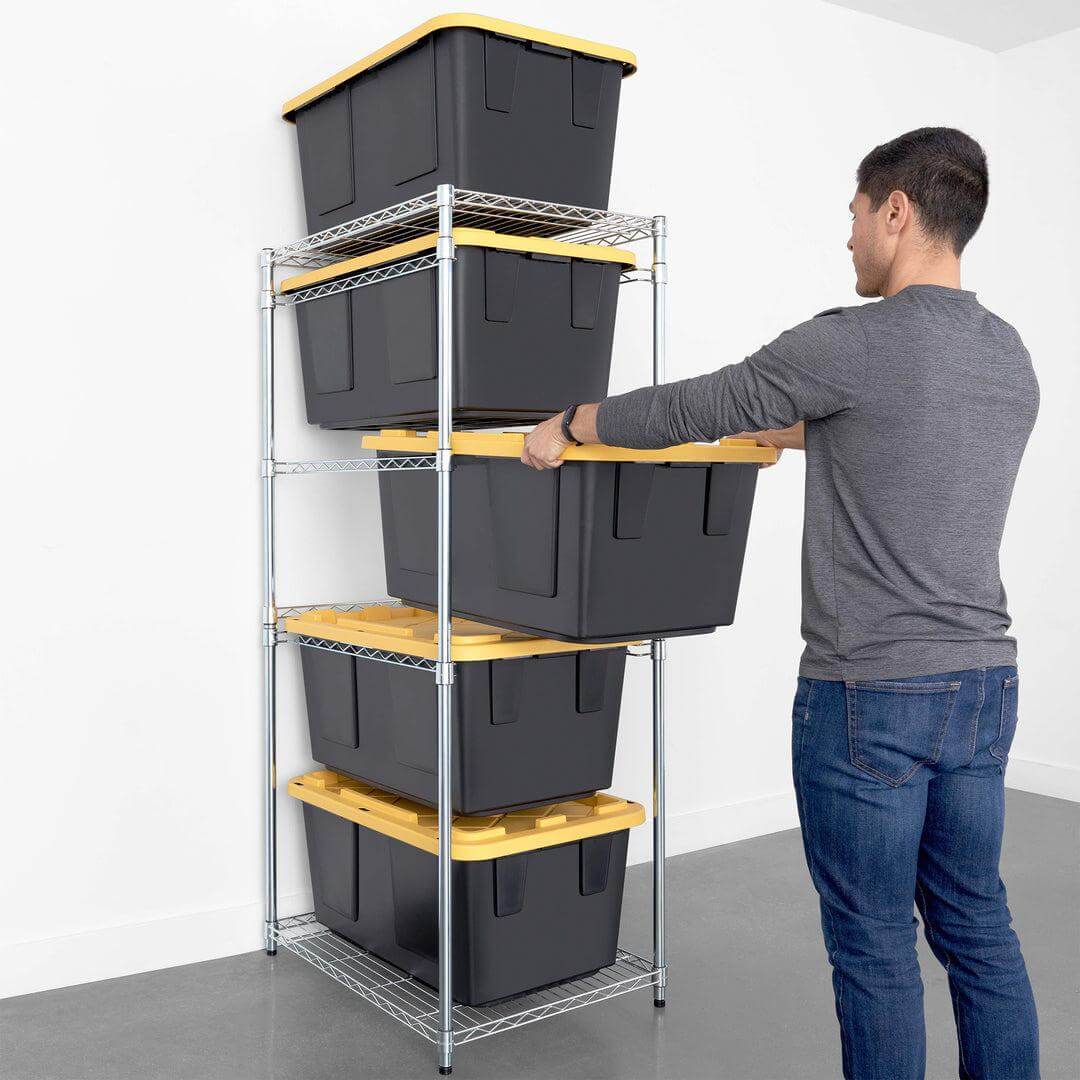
{"x": 364, "y": 652}
{"x": 407, "y": 463}
{"x": 358, "y": 281}
{"x": 416, "y": 1005}
{"x": 472, "y": 209}
{"x": 344, "y": 606}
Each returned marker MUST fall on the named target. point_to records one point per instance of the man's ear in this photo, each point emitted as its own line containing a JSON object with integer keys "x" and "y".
{"x": 898, "y": 212}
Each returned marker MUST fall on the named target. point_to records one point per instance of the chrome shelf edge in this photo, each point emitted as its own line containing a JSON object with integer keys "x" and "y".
{"x": 471, "y": 209}
{"x": 415, "y": 1004}
{"x": 289, "y": 610}
{"x": 364, "y": 652}
{"x": 407, "y": 462}
{"x": 357, "y": 281}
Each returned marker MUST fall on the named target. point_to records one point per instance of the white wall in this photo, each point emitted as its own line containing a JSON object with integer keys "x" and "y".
{"x": 1036, "y": 285}
{"x": 150, "y": 148}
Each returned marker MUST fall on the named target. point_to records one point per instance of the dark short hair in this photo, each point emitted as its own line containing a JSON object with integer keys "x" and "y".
{"x": 941, "y": 170}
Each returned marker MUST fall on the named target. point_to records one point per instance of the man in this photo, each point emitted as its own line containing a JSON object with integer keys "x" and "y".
{"x": 914, "y": 413}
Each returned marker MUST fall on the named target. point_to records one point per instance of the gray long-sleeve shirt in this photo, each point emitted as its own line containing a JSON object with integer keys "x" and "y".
{"x": 918, "y": 408}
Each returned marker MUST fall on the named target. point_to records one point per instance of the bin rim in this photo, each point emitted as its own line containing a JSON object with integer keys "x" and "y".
{"x": 412, "y": 631}
{"x": 451, "y": 21}
{"x": 509, "y": 444}
{"x": 463, "y": 237}
{"x": 473, "y": 839}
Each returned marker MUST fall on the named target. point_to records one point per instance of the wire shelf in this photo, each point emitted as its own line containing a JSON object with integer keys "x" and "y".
{"x": 417, "y": 1005}
{"x": 364, "y": 652}
{"x": 358, "y": 281}
{"x": 303, "y": 609}
{"x": 472, "y": 209}
{"x": 407, "y": 463}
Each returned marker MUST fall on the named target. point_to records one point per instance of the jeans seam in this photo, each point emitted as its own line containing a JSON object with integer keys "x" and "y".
{"x": 886, "y": 687}
{"x": 931, "y": 936}
{"x": 845, "y": 1038}
{"x": 978, "y": 713}
{"x": 1007, "y": 684}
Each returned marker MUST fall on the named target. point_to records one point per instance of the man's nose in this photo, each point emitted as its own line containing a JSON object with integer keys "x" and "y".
{"x": 851, "y": 244}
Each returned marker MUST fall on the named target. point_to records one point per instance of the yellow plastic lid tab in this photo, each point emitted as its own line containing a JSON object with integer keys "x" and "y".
{"x": 510, "y": 444}
{"x": 592, "y": 49}
{"x": 414, "y": 631}
{"x": 473, "y": 839}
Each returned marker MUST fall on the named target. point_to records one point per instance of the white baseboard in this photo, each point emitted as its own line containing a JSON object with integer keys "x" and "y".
{"x": 27, "y": 967}
{"x": 1042, "y": 778}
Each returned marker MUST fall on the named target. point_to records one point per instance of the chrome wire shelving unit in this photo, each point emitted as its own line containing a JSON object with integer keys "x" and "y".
{"x": 431, "y": 1012}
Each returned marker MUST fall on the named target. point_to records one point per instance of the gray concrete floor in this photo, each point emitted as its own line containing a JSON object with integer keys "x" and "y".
{"x": 750, "y": 996}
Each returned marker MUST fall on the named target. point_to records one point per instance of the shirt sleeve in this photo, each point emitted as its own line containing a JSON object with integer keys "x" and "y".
{"x": 811, "y": 371}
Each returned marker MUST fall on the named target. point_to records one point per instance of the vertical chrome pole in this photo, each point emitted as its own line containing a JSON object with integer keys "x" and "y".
{"x": 444, "y": 672}
{"x": 269, "y": 617}
{"x": 659, "y": 647}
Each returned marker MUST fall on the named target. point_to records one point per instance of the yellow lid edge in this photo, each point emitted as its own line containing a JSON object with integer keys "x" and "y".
{"x": 544, "y": 245}
{"x": 509, "y": 444}
{"x": 463, "y": 850}
{"x": 429, "y": 650}
{"x": 358, "y": 263}
{"x": 447, "y": 22}
{"x": 463, "y": 237}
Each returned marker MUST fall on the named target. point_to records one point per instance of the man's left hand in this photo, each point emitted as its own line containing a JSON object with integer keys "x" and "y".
{"x": 544, "y": 444}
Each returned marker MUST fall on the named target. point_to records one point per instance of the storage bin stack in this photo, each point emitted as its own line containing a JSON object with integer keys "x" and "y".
{"x": 553, "y": 574}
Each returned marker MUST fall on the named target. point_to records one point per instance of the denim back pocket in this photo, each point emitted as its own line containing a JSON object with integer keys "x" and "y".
{"x": 1010, "y": 692}
{"x": 896, "y": 727}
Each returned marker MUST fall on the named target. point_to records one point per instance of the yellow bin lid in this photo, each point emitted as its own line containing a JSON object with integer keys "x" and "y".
{"x": 415, "y": 632}
{"x": 473, "y": 838}
{"x": 449, "y": 22}
{"x": 510, "y": 443}
{"x": 463, "y": 237}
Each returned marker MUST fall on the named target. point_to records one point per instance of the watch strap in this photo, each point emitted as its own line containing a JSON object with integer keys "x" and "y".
{"x": 567, "y": 420}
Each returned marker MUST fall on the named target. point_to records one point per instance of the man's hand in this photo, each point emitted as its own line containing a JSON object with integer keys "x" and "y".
{"x": 544, "y": 444}
{"x": 789, "y": 438}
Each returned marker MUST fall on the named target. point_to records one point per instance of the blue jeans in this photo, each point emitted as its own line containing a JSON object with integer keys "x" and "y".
{"x": 901, "y": 796}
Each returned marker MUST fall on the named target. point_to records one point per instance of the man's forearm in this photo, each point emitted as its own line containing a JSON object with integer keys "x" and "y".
{"x": 583, "y": 426}
{"x": 583, "y": 429}
{"x": 701, "y": 409}
{"x": 813, "y": 370}
{"x": 654, "y": 417}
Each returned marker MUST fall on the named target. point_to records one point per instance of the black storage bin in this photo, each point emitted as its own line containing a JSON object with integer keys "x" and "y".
{"x": 468, "y": 100}
{"x": 533, "y": 326}
{"x": 615, "y": 544}
{"x": 535, "y": 721}
{"x": 533, "y": 904}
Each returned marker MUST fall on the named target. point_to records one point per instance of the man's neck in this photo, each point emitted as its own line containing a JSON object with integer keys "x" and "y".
{"x": 943, "y": 270}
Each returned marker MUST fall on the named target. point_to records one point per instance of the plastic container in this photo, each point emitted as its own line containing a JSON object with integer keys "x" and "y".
{"x": 615, "y": 544}
{"x": 481, "y": 103}
{"x": 535, "y": 721}
{"x": 533, "y": 326}
{"x": 537, "y": 895}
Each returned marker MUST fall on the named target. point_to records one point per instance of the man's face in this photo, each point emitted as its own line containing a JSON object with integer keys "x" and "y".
{"x": 870, "y": 245}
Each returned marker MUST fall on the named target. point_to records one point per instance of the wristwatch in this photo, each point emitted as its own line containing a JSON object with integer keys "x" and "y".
{"x": 567, "y": 420}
